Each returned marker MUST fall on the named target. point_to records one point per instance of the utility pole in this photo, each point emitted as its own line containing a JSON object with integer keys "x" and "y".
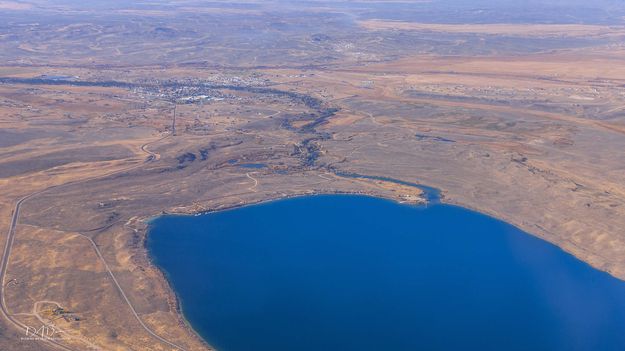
{"x": 173, "y": 122}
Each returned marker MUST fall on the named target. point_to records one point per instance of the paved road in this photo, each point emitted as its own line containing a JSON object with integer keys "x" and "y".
{"x": 4, "y": 262}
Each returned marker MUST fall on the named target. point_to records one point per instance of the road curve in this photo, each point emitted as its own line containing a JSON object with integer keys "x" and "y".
{"x": 3, "y": 269}
{"x": 4, "y": 262}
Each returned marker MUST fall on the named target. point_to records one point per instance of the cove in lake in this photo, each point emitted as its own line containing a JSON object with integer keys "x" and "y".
{"x": 359, "y": 273}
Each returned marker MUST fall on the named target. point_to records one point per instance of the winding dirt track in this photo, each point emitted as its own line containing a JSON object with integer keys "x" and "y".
{"x": 253, "y": 187}
{"x": 4, "y": 263}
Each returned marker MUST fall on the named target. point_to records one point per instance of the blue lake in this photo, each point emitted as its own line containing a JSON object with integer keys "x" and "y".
{"x": 359, "y": 273}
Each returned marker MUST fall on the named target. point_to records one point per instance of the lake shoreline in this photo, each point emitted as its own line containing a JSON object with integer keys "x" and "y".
{"x": 441, "y": 200}
{"x": 174, "y": 297}
{"x": 266, "y": 201}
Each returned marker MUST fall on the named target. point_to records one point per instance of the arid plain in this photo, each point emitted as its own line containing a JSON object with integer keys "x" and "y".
{"x": 113, "y": 114}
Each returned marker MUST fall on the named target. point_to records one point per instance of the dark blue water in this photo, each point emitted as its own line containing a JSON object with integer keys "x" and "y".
{"x": 253, "y": 165}
{"x": 360, "y": 273}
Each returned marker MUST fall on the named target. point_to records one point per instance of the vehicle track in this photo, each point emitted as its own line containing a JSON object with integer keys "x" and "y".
{"x": 4, "y": 262}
